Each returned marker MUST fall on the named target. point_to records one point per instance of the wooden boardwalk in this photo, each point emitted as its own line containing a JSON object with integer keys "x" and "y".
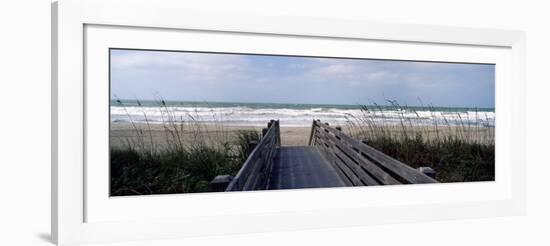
{"x": 331, "y": 159}
{"x": 302, "y": 167}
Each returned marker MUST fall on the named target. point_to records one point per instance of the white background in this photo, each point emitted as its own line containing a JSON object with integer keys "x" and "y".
{"x": 25, "y": 123}
{"x": 101, "y": 208}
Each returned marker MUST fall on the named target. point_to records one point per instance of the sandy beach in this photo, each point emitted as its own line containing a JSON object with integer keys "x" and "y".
{"x": 121, "y": 133}
{"x": 470, "y": 134}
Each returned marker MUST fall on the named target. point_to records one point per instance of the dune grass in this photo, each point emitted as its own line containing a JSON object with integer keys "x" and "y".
{"x": 459, "y": 151}
{"x": 143, "y": 167}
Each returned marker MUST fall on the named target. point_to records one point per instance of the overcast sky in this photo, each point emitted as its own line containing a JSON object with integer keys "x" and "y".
{"x": 281, "y": 79}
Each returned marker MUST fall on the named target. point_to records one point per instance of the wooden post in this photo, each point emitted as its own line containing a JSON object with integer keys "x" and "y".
{"x": 220, "y": 182}
{"x": 278, "y": 133}
{"x": 428, "y": 171}
{"x": 311, "y": 142}
{"x": 251, "y": 146}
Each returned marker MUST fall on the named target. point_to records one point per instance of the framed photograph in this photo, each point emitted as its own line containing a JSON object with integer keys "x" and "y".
{"x": 170, "y": 123}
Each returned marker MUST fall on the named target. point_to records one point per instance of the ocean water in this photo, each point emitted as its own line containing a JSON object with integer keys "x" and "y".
{"x": 258, "y": 114}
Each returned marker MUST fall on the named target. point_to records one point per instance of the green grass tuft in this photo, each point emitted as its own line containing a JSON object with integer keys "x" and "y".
{"x": 457, "y": 152}
{"x": 143, "y": 167}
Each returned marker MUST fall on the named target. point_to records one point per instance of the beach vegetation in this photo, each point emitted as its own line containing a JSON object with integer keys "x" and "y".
{"x": 181, "y": 165}
{"x": 458, "y": 148}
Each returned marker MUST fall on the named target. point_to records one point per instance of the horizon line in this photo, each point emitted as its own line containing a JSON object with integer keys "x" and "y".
{"x": 282, "y": 103}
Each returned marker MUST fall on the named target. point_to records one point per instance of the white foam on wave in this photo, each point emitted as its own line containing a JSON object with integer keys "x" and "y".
{"x": 294, "y": 117}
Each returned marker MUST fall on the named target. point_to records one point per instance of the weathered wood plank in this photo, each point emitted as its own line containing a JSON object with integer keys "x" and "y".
{"x": 404, "y": 171}
{"x": 254, "y": 174}
{"x": 357, "y": 170}
{"x": 349, "y": 173}
{"x": 342, "y": 171}
{"x": 366, "y": 163}
{"x": 252, "y": 179}
{"x": 388, "y": 163}
{"x": 302, "y": 167}
{"x": 371, "y": 168}
{"x": 312, "y": 134}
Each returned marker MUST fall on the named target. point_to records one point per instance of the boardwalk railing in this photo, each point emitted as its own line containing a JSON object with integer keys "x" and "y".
{"x": 359, "y": 164}
{"x": 254, "y": 174}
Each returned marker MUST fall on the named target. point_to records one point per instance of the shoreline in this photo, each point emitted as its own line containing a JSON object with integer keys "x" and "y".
{"x": 122, "y": 133}
{"x": 214, "y": 133}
